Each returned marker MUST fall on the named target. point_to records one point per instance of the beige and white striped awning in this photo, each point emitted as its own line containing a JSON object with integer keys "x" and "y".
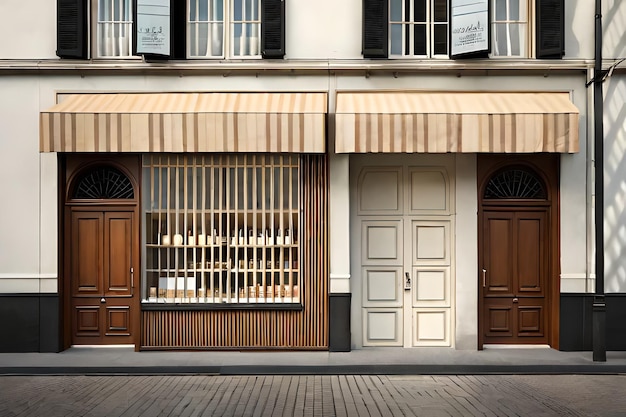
{"x": 186, "y": 122}
{"x": 434, "y": 122}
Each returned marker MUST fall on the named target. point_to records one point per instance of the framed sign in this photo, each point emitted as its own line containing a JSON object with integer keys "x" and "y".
{"x": 469, "y": 27}
{"x": 153, "y": 27}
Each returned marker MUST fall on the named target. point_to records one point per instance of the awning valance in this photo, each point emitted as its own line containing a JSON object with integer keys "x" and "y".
{"x": 433, "y": 122}
{"x": 186, "y": 122}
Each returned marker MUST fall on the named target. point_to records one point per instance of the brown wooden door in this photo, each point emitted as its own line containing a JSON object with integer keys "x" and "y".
{"x": 103, "y": 300}
{"x": 514, "y": 275}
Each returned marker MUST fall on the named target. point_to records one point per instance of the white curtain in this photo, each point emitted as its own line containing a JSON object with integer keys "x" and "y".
{"x": 114, "y": 28}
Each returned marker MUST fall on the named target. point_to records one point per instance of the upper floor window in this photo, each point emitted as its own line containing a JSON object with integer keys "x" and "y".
{"x": 197, "y": 28}
{"x": 223, "y": 28}
{"x": 418, "y": 28}
{"x": 114, "y": 29}
{"x": 509, "y": 34}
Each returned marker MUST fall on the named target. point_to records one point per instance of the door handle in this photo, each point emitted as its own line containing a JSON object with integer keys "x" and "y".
{"x": 103, "y": 300}
{"x": 132, "y": 278}
{"x": 515, "y": 300}
{"x": 407, "y": 281}
{"x": 484, "y": 277}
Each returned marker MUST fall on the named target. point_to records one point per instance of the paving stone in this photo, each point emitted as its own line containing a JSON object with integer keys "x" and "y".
{"x": 313, "y": 395}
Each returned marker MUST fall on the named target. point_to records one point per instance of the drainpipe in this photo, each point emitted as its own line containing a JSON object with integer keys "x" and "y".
{"x": 599, "y": 303}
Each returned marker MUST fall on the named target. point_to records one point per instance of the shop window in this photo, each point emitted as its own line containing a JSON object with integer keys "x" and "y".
{"x": 221, "y": 229}
{"x": 198, "y": 29}
{"x": 419, "y": 28}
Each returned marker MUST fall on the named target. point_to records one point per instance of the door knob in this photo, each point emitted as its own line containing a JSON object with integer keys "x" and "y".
{"x": 515, "y": 300}
{"x": 102, "y": 300}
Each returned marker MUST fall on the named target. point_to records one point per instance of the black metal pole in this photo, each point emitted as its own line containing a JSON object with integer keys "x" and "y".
{"x": 599, "y": 303}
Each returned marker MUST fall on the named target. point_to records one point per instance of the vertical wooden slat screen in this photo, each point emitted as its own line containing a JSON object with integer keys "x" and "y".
{"x": 268, "y": 328}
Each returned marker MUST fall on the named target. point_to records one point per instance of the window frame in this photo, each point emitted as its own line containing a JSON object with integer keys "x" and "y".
{"x": 430, "y": 24}
{"x": 222, "y": 230}
{"x": 529, "y": 48}
{"x": 228, "y": 29}
{"x": 94, "y": 31}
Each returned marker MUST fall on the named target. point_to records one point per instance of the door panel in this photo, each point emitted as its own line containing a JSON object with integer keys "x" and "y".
{"x": 498, "y": 319}
{"x": 87, "y": 321}
{"x": 382, "y": 286}
{"x": 119, "y": 262}
{"x": 498, "y": 264}
{"x": 382, "y": 242}
{"x": 431, "y": 327}
{"x": 87, "y": 235}
{"x": 117, "y": 320}
{"x": 531, "y": 252}
{"x": 431, "y": 242}
{"x": 383, "y": 327}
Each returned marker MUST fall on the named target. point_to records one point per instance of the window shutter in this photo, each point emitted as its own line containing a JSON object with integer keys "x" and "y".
{"x": 272, "y": 28}
{"x": 375, "y": 28}
{"x": 178, "y": 25}
{"x": 550, "y": 28}
{"x": 72, "y": 29}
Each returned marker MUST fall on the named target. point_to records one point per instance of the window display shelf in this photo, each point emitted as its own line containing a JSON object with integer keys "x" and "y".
{"x": 221, "y": 223}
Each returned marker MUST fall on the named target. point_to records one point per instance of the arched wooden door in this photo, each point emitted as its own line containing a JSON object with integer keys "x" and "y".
{"x": 518, "y": 250}
{"x": 101, "y": 256}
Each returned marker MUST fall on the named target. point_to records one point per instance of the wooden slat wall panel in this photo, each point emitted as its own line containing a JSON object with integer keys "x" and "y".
{"x": 262, "y": 329}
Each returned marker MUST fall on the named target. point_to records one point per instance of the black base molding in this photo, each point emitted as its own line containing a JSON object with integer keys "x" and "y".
{"x": 339, "y": 322}
{"x": 30, "y": 323}
{"x": 577, "y": 322}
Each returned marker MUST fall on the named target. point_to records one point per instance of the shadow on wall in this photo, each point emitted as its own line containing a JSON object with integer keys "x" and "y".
{"x": 613, "y": 29}
{"x": 615, "y": 184}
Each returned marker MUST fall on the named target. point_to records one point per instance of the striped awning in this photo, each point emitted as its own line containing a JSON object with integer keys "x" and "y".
{"x": 434, "y": 122}
{"x": 186, "y": 122}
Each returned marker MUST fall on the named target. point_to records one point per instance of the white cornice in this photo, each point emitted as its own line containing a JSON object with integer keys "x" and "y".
{"x": 270, "y": 66}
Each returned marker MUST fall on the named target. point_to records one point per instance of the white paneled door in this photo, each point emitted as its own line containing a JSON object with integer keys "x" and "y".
{"x": 405, "y": 219}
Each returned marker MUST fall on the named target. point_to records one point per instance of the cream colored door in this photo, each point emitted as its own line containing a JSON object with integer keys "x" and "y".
{"x": 405, "y": 218}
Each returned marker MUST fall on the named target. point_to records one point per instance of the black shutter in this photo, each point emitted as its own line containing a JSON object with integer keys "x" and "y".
{"x": 178, "y": 26}
{"x": 72, "y": 29}
{"x": 550, "y": 28}
{"x": 273, "y": 28}
{"x": 375, "y": 28}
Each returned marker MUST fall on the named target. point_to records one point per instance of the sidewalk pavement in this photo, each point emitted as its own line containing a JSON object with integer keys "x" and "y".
{"x": 388, "y": 361}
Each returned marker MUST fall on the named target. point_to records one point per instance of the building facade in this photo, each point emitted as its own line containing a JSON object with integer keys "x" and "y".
{"x": 216, "y": 174}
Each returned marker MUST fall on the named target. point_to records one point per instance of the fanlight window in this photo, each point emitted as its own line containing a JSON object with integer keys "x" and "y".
{"x": 104, "y": 183}
{"x": 517, "y": 183}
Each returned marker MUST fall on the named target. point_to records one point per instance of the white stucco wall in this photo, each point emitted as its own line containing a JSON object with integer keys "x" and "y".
{"x": 28, "y": 29}
{"x": 615, "y": 185}
{"x": 466, "y": 294}
{"x": 20, "y": 187}
{"x": 579, "y": 29}
{"x": 614, "y": 27}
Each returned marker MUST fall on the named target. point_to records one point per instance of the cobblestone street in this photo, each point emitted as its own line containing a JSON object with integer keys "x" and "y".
{"x": 329, "y": 395}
